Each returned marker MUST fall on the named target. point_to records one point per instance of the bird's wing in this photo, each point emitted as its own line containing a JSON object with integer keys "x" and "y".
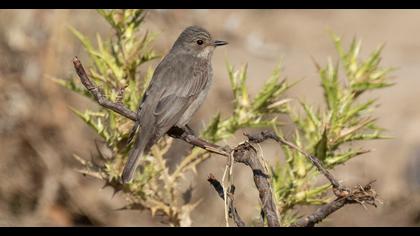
{"x": 186, "y": 81}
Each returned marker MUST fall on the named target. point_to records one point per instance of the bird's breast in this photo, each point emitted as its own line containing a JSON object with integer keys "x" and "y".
{"x": 199, "y": 99}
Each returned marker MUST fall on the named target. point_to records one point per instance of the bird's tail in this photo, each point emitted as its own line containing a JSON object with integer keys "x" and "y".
{"x": 135, "y": 154}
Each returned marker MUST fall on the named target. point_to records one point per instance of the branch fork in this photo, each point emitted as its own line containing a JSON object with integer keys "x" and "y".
{"x": 359, "y": 194}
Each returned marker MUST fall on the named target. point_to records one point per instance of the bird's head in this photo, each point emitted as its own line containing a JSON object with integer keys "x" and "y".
{"x": 197, "y": 41}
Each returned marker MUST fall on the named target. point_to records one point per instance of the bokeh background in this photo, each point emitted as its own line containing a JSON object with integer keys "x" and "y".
{"x": 39, "y": 133}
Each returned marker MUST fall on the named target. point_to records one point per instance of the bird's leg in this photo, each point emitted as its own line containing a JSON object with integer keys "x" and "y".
{"x": 189, "y": 130}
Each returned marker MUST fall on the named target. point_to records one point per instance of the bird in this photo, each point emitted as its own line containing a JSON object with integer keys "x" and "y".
{"x": 179, "y": 86}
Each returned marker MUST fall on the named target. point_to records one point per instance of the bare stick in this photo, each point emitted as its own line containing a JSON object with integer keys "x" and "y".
{"x": 245, "y": 153}
{"x": 233, "y": 213}
{"x": 98, "y": 94}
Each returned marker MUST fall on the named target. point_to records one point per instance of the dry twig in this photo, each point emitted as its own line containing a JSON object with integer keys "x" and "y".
{"x": 233, "y": 213}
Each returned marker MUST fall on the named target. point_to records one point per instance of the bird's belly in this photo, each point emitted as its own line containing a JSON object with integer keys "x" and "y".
{"x": 192, "y": 109}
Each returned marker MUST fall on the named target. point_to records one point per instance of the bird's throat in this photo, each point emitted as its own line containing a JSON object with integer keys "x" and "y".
{"x": 206, "y": 53}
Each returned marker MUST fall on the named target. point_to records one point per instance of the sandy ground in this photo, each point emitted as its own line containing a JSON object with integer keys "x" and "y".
{"x": 38, "y": 133}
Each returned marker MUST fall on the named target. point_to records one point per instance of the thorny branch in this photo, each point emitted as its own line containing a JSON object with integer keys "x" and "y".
{"x": 358, "y": 194}
{"x": 244, "y": 153}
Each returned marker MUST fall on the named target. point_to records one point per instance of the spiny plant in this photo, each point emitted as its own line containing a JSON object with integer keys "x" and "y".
{"x": 117, "y": 68}
{"x": 326, "y": 133}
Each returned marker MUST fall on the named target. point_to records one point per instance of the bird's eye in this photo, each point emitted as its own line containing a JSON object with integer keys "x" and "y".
{"x": 200, "y": 42}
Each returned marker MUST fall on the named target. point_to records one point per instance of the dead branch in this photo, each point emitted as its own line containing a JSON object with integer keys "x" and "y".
{"x": 264, "y": 135}
{"x": 244, "y": 153}
{"x": 359, "y": 194}
{"x": 233, "y": 213}
{"x": 99, "y": 95}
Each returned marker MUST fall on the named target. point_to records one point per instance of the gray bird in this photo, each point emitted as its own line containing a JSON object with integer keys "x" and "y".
{"x": 178, "y": 87}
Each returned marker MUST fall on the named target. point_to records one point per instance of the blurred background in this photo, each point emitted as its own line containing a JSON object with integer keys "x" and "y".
{"x": 39, "y": 133}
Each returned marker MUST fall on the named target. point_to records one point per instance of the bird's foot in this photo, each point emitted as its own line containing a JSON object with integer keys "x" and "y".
{"x": 189, "y": 130}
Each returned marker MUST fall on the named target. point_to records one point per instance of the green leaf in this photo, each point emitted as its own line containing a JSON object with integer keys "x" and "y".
{"x": 341, "y": 158}
{"x": 321, "y": 147}
{"x": 211, "y": 130}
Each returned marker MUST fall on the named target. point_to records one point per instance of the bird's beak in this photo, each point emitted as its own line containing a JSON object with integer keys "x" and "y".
{"x": 219, "y": 43}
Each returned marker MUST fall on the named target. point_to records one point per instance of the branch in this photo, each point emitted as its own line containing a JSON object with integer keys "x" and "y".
{"x": 179, "y": 133}
{"x": 119, "y": 108}
{"x": 264, "y": 135}
{"x": 98, "y": 94}
{"x": 233, "y": 213}
{"x": 362, "y": 195}
{"x": 359, "y": 194}
{"x": 243, "y": 153}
